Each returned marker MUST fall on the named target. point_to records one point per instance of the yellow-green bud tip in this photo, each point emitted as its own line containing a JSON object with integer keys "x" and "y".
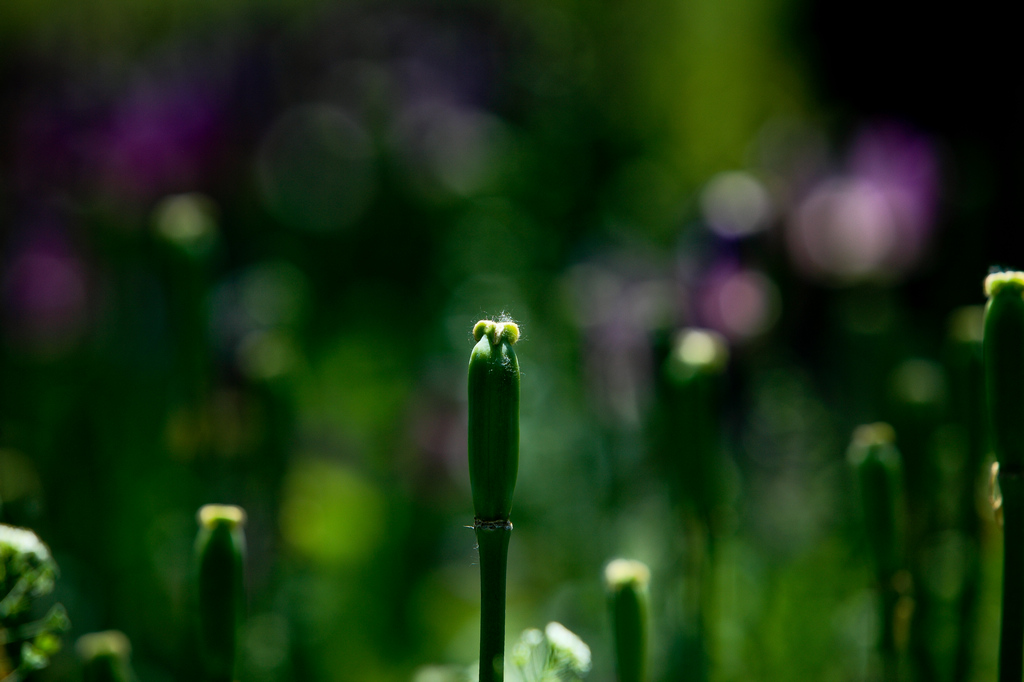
{"x": 701, "y": 348}
{"x": 482, "y": 328}
{"x": 998, "y": 281}
{"x": 878, "y": 433}
{"x": 697, "y": 352}
{"x": 107, "y": 643}
{"x": 496, "y": 332}
{"x": 622, "y": 572}
{"x": 212, "y": 515}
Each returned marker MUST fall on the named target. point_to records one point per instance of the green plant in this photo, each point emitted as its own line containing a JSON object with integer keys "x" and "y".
{"x": 876, "y": 461}
{"x": 627, "y": 582}
{"x": 220, "y": 559}
{"x": 1004, "y": 385}
{"x": 27, "y": 571}
{"x": 105, "y": 657}
{"x": 493, "y": 466}
{"x": 688, "y": 444}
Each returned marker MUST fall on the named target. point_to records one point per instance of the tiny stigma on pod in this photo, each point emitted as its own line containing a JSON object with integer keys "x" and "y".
{"x": 496, "y": 331}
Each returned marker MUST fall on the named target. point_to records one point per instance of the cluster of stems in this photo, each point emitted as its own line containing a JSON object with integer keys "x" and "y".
{"x": 493, "y": 467}
{"x": 1004, "y": 385}
{"x": 220, "y": 559}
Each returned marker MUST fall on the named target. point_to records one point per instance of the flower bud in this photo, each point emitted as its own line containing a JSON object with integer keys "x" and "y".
{"x": 493, "y": 419}
{"x": 220, "y": 555}
{"x": 1004, "y": 367}
{"x": 105, "y": 657}
{"x": 627, "y": 582}
{"x": 874, "y": 456}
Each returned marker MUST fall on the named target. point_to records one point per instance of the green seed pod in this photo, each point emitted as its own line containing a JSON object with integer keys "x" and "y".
{"x": 1004, "y": 367}
{"x": 877, "y": 462}
{"x": 105, "y": 657}
{"x": 493, "y": 419}
{"x": 691, "y": 436}
{"x": 220, "y": 556}
{"x": 627, "y": 582}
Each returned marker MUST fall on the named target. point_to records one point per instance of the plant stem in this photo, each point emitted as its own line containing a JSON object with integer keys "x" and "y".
{"x": 1011, "y": 641}
{"x": 220, "y": 558}
{"x": 1003, "y": 350}
{"x": 626, "y": 582}
{"x": 492, "y": 539}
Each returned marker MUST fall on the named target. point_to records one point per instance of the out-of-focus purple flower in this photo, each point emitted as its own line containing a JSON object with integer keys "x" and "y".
{"x": 158, "y": 138}
{"x": 905, "y": 166}
{"x": 873, "y": 222}
{"x": 741, "y": 303}
{"x": 448, "y": 146}
{"x": 45, "y": 293}
{"x": 617, "y": 311}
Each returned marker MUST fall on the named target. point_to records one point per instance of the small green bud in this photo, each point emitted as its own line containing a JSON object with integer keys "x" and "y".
{"x": 697, "y": 352}
{"x": 493, "y": 419}
{"x": 874, "y": 456}
{"x": 105, "y": 657}
{"x": 1004, "y": 367}
{"x": 187, "y": 223}
{"x": 220, "y": 555}
{"x": 627, "y": 582}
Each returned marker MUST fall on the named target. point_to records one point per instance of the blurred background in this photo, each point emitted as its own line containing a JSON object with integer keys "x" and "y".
{"x": 243, "y": 244}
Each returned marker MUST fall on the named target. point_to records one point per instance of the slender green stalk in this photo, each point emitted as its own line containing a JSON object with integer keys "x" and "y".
{"x": 105, "y": 657}
{"x": 877, "y": 463}
{"x": 492, "y": 540}
{"x": 696, "y": 369}
{"x": 1004, "y": 384}
{"x": 627, "y": 583}
{"x": 1011, "y": 637}
{"x": 493, "y": 466}
{"x": 220, "y": 555}
{"x": 186, "y": 229}
{"x": 689, "y": 445}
